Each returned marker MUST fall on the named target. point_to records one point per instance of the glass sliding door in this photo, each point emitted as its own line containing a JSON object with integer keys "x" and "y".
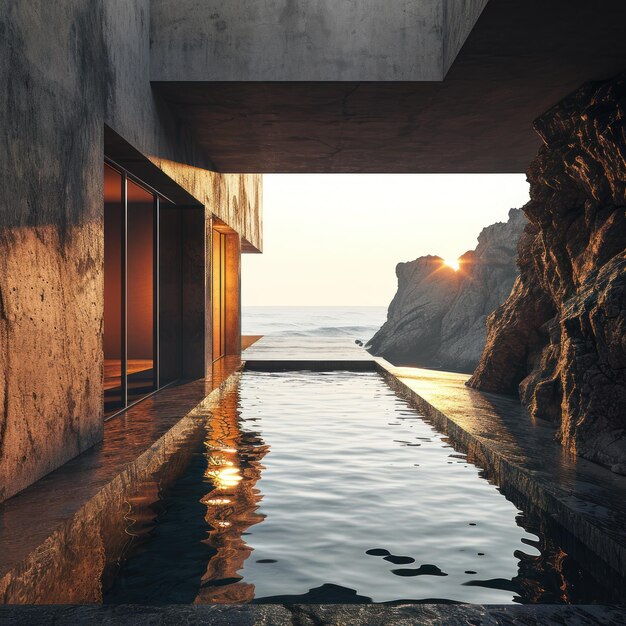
{"x": 142, "y": 291}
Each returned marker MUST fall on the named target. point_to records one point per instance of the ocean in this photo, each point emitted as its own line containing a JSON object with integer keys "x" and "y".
{"x": 356, "y": 322}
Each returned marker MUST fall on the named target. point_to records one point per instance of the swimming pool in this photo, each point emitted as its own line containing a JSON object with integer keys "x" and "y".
{"x": 327, "y": 487}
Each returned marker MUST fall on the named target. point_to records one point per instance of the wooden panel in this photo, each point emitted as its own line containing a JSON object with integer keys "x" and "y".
{"x": 232, "y": 263}
{"x": 216, "y": 293}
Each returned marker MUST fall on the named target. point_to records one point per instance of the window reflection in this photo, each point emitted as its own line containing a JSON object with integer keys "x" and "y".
{"x": 219, "y": 293}
{"x": 233, "y": 469}
{"x": 142, "y": 291}
{"x": 170, "y": 292}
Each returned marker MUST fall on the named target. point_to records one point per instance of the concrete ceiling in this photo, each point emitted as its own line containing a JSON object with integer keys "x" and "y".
{"x": 520, "y": 58}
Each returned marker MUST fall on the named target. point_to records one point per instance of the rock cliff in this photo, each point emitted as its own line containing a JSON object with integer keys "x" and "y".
{"x": 560, "y": 338}
{"x": 437, "y": 317}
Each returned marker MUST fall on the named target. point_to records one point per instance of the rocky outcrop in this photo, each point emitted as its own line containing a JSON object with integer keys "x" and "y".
{"x": 437, "y": 317}
{"x": 560, "y": 338}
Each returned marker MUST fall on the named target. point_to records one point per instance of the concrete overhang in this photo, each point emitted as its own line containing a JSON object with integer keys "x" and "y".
{"x": 308, "y": 40}
{"x": 294, "y": 86}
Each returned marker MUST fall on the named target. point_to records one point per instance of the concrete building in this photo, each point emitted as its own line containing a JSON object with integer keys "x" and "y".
{"x": 132, "y": 136}
{"x": 119, "y": 242}
{"x": 133, "y": 139}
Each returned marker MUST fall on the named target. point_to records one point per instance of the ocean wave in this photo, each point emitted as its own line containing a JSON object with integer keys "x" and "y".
{"x": 357, "y": 323}
{"x": 328, "y": 331}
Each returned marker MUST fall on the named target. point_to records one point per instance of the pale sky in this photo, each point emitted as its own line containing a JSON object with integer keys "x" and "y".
{"x": 335, "y": 239}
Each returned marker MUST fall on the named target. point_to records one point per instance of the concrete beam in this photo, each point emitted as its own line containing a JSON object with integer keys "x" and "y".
{"x": 310, "y": 40}
{"x": 518, "y": 61}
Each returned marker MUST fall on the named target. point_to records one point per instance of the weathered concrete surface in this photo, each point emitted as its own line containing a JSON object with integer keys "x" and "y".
{"x": 236, "y": 199}
{"x": 458, "y": 19}
{"x": 304, "y": 40}
{"x": 67, "y": 69}
{"x": 51, "y": 252}
{"x": 520, "y": 58}
{"x": 139, "y": 116}
{"x": 438, "y": 316}
{"x": 316, "y": 615}
{"x": 560, "y": 338}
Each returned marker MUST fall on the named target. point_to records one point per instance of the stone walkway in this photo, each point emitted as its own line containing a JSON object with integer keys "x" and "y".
{"x": 315, "y": 615}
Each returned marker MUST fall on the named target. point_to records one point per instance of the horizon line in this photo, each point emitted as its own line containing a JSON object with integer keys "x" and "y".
{"x": 319, "y": 306}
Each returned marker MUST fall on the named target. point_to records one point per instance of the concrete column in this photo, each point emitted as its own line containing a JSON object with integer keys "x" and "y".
{"x": 196, "y": 321}
{"x": 51, "y": 237}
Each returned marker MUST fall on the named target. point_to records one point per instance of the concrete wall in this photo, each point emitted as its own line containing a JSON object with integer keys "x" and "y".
{"x": 67, "y": 69}
{"x": 134, "y": 112}
{"x": 308, "y": 40}
{"x": 51, "y": 244}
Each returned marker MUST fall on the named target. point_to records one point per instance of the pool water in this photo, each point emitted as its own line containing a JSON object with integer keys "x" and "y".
{"x": 327, "y": 487}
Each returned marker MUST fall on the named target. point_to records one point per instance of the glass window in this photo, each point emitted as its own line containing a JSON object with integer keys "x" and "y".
{"x": 142, "y": 291}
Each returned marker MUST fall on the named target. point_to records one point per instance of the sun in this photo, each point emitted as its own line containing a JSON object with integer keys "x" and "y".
{"x": 453, "y": 264}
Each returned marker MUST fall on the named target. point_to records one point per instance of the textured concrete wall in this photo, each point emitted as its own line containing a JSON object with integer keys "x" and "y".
{"x": 67, "y": 68}
{"x": 236, "y": 199}
{"x": 310, "y": 40}
{"x": 137, "y": 115}
{"x": 51, "y": 233}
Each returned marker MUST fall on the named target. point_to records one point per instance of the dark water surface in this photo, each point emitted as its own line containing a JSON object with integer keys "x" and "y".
{"x": 314, "y": 487}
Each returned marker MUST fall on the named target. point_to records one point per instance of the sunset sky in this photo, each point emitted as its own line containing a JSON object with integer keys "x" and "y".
{"x": 335, "y": 239}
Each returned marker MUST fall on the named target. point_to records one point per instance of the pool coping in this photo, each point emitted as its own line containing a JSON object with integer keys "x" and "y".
{"x": 328, "y": 365}
{"x": 527, "y": 488}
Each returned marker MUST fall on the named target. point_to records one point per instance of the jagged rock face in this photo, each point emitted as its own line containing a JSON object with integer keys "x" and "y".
{"x": 437, "y": 317}
{"x": 560, "y": 338}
